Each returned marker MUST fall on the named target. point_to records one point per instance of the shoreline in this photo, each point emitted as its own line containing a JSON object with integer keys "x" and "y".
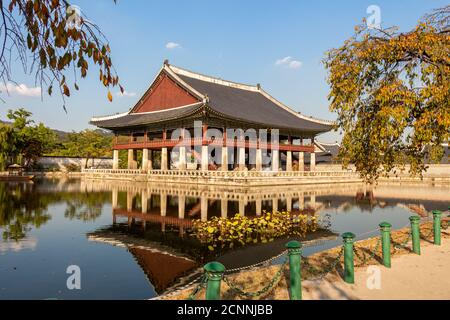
{"x": 406, "y": 278}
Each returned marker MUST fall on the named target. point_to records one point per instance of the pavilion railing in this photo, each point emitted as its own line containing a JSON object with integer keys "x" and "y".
{"x": 221, "y": 174}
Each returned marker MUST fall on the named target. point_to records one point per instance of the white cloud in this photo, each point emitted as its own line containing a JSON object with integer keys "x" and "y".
{"x": 126, "y": 94}
{"x": 289, "y": 62}
{"x": 173, "y": 45}
{"x": 20, "y": 90}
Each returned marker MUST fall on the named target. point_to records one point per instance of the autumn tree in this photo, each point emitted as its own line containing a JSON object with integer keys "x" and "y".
{"x": 49, "y": 38}
{"x": 391, "y": 93}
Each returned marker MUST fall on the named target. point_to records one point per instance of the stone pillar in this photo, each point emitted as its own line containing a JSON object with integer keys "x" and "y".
{"x": 182, "y": 159}
{"x": 275, "y": 205}
{"x": 144, "y": 201}
{"x": 144, "y": 159}
{"x": 289, "y": 161}
{"x": 115, "y": 197}
{"x": 163, "y": 204}
{"x": 224, "y": 158}
{"x": 301, "y": 161}
{"x": 242, "y": 207}
{"x": 313, "y": 162}
{"x": 258, "y": 207}
{"x": 241, "y": 158}
{"x": 224, "y": 208}
{"x": 115, "y": 159}
{"x": 301, "y": 201}
{"x": 164, "y": 159}
{"x": 259, "y": 160}
{"x": 181, "y": 206}
{"x": 204, "y": 208}
{"x": 288, "y": 204}
{"x": 131, "y": 161}
{"x": 313, "y": 201}
{"x": 275, "y": 160}
{"x": 204, "y": 158}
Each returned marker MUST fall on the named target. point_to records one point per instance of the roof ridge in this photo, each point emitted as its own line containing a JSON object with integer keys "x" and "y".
{"x": 215, "y": 80}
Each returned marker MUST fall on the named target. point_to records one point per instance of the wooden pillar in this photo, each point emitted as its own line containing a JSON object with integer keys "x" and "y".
{"x": 289, "y": 161}
{"x": 144, "y": 159}
{"x": 115, "y": 159}
{"x": 181, "y": 206}
{"x": 164, "y": 159}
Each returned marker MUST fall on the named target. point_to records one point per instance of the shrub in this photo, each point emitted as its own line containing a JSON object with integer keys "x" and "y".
{"x": 227, "y": 232}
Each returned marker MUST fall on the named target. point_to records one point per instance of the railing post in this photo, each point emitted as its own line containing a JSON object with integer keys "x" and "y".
{"x": 437, "y": 227}
{"x": 349, "y": 263}
{"x": 295, "y": 253}
{"x": 214, "y": 272}
{"x": 415, "y": 231}
{"x": 386, "y": 243}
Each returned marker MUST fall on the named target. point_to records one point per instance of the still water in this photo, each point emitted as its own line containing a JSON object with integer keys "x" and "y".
{"x": 133, "y": 241}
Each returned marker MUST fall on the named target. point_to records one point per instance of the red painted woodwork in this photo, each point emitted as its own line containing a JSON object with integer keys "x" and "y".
{"x": 165, "y": 94}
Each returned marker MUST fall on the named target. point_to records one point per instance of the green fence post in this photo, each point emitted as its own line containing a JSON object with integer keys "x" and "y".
{"x": 295, "y": 253}
{"x": 349, "y": 263}
{"x": 437, "y": 227}
{"x": 386, "y": 243}
{"x": 214, "y": 272}
{"x": 415, "y": 230}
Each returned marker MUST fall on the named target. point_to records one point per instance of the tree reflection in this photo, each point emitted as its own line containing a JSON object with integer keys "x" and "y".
{"x": 20, "y": 210}
{"x": 85, "y": 206}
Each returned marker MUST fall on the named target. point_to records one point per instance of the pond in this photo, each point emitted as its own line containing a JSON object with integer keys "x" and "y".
{"x": 134, "y": 240}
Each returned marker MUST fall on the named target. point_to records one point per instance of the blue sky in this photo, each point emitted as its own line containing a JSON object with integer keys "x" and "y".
{"x": 235, "y": 40}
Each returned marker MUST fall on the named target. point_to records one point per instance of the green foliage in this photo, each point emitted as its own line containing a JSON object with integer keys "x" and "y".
{"x": 391, "y": 92}
{"x": 23, "y": 141}
{"x": 88, "y": 143}
{"x": 240, "y": 230}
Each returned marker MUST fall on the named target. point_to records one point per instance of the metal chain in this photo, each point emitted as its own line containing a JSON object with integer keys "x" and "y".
{"x": 428, "y": 235}
{"x": 268, "y": 288}
{"x": 323, "y": 273}
{"x": 403, "y": 244}
{"x": 198, "y": 288}
{"x": 257, "y": 264}
{"x": 372, "y": 255}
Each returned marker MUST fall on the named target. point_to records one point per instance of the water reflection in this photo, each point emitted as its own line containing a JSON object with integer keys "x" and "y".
{"x": 152, "y": 224}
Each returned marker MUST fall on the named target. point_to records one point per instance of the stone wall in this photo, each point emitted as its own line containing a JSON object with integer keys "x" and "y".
{"x": 70, "y": 163}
